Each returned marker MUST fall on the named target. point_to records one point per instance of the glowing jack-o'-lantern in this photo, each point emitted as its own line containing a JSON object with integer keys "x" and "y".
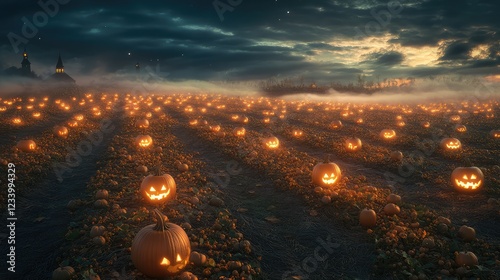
{"x": 326, "y": 174}
{"x": 467, "y": 179}
{"x": 460, "y": 128}
{"x": 388, "y": 134}
{"x": 72, "y": 123}
{"x": 144, "y": 141}
{"x": 360, "y": 121}
{"x": 495, "y": 133}
{"x": 235, "y": 117}
{"x": 158, "y": 189}
{"x": 266, "y": 120}
{"x": 400, "y": 123}
{"x": 271, "y": 142}
{"x": 426, "y": 124}
{"x": 336, "y": 124}
{"x": 297, "y": 133}
{"x": 214, "y": 128}
{"x": 36, "y": 114}
{"x": 17, "y": 121}
{"x": 161, "y": 249}
{"x": 451, "y": 144}
{"x": 455, "y": 118}
{"x": 244, "y": 119}
{"x": 239, "y": 131}
{"x": 61, "y": 131}
{"x": 193, "y": 122}
{"x": 79, "y": 117}
{"x": 3, "y": 109}
{"x": 353, "y": 144}
{"x": 26, "y": 145}
{"x": 143, "y": 123}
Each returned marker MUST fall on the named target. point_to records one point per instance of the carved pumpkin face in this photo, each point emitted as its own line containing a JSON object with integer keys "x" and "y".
{"x": 214, "y": 128}
{"x": 193, "y": 122}
{"x": 360, "y": 121}
{"x": 26, "y": 145}
{"x": 326, "y": 174}
{"x": 158, "y": 189}
{"x": 36, "y": 115}
{"x": 297, "y": 133}
{"x": 61, "y": 131}
{"x": 467, "y": 179}
{"x": 239, "y": 131}
{"x": 336, "y": 124}
{"x": 235, "y": 117}
{"x": 353, "y": 144}
{"x": 160, "y": 249}
{"x": 266, "y": 120}
{"x": 79, "y": 117}
{"x": 144, "y": 141}
{"x": 495, "y": 133}
{"x": 388, "y": 134}
{"x": 460, "y": 128}
{"x": 455, "y": 118}
{"x": 72, "y": 123}
{"x": 17, "y": 121}
{"x": 144, "y": 123}
{"x": 271, "y": 142}
{"x": 400, "y": 123}
{"x": 451, "y": 144}
{"x": 426, "y": 124}
{"x": 244, "y": 119}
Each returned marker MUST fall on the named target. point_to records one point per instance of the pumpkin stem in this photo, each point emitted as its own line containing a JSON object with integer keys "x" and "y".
{"x": 160, "y": 223}
{"x": 158, "y": 170}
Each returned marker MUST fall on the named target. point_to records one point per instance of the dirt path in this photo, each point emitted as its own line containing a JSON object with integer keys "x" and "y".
{"x": 43, "y": 217}
{"x": 288, "y": 245}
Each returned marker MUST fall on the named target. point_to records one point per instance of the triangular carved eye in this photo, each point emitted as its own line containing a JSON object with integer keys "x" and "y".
{"x": 465, "y": 177}
{"x": 165, "y": 262}
{"x": 163, "y": 188}
{"x": 472, "y": 177}
{"x": 325, "y": 176}
{"x": 152, "y": 189}
{"x": 179, "y": 258}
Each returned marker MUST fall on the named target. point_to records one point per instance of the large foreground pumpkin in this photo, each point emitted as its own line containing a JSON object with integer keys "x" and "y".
{"x": 161, "y": 249}
{"x": 326, "y": 174}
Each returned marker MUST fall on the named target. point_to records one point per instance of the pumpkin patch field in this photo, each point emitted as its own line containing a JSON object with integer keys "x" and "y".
{"x": 101, "y": 185}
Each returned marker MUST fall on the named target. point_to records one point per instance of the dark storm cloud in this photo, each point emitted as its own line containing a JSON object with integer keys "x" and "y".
{"x": 386, "y": 59}
{"x": 256, "y": 39}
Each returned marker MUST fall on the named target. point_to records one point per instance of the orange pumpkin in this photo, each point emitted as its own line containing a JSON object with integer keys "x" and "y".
{"x": 353, "y": 144}
{"x": 450, "y": 144}
{"x": 144, "y": 141}
{"x": 271, "y": 142}
{"x": 26, "y": 145}
{"x": 162, "y": 249}
{"x": 467, "y": 179}
{"x": 158, "y": 189}
{"x": 387, "y": 134}
{"x": 326, "y": 174}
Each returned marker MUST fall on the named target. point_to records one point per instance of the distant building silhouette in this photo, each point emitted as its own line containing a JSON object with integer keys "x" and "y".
{"x": 26, "y": 65}
{"x": 60, "y": 75}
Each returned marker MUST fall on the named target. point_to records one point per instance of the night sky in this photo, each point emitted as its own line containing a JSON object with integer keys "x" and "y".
{"x": 245, "y": 40}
